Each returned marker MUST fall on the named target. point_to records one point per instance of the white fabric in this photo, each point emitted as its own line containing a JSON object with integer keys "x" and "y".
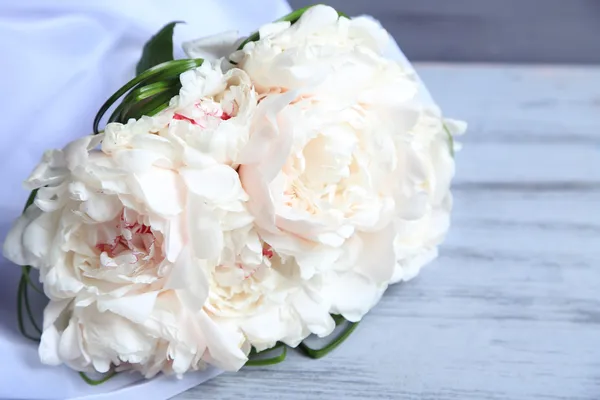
{"x": 59, "y": 62}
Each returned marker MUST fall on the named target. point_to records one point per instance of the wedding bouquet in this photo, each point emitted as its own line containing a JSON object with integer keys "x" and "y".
{"x": 261, "y": 191}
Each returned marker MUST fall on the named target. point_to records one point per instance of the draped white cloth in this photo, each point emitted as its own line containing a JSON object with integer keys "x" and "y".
{"x": 59, "y": 61}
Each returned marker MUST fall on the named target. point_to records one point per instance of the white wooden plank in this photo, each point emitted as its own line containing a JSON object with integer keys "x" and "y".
{"x": 511, "y": 309}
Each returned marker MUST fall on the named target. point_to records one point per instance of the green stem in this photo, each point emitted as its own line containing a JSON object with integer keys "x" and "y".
{"x": 318, "y": 353}
{"x": 28, "y": 309}
{"x": 26, "y": 269}
{"x": 21, "y": 294}
{"x": 269, "y": 361}
{"x": 338, "y": 319}
{"x": 96, "y": 382}
{"x": 30, "y": 199}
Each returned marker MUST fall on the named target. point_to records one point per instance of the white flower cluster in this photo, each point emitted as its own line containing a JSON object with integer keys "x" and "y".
{"x": 297, "y": 183}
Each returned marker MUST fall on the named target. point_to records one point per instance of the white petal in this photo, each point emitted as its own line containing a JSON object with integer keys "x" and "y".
{"x": 212, "y": 47}
{"x": 163, "y": 191}
{"x": 205, "y": 231}
{"x": 39, "y": 235}
{"x": 273, "y": 28}
{"x": 48, "y": 349}
{"x": 377, "y": 258}
{"x": 351, "y": 295}
{"x": 174, "y": 240}
{"x": 189, "y": 281}
{"x": 217, "y": 183}
{"x": 68, "y": 347}
{"x": 136, "y": 308}
{"x": 13, "y": 248}
{"x": 314, "y": 314}
{"x": 261, "y": 201}
{"x": 223, "y": 345}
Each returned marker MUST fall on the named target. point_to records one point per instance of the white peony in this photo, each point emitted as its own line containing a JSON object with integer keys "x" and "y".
{"x": 124, "y": 228}
{"x": 351, "y": 178}
{"x": 247, "y": 293}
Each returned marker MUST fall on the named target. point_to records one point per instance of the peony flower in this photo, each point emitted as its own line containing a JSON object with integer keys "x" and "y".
{"x": 253, "y": 291}
{"x": 349, "y": 178}
{"x": 124, "y": 228}
{"x": 247, "y": 294}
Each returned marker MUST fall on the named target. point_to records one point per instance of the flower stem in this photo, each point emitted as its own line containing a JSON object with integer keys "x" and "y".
{"x": 269, "y": 361}
{"x": 22, "y": 296}
{"x": 318, "y": 353}
{"x": 96, "y": 382}
{"x": 26, "y": 269}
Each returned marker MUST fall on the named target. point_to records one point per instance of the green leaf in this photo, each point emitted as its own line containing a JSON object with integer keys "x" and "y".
{"x": 292, "y": 17}
{"x": 158, "y": 49}
{"x": 30, "y": 199}
{"x": 318, "y": 353}
{"x": 164, "y": 71}
{"x": 149, "y": 105}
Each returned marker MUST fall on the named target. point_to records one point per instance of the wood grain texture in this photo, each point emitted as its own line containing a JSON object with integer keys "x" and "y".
{"x": 511, "y": 309}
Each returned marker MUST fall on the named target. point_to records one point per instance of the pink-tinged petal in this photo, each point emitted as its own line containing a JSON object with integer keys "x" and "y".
{"x": 271, "y": 135}
{"x": 299, "y": 222}
{"x": 281, "y": 146}
{"x": 13, "y": 248}
{"x": 217, "y": 183}
{"x": 377, "y": 258}
{"x": 102, "y": 208}
{"x": 136, "y": 308}
{"x": 223, "y": 345}
{"x": 261, "y": 201}
{"x": 205, "y": 231}
{"x": 163, "y": 191}
{"x": 188, "y": 279}
{"x": 174, "y": 238}
{"x": 139, "y": 161}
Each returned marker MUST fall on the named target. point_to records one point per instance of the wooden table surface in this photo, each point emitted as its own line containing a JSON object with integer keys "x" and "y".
{"x": 511, "y": 309}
